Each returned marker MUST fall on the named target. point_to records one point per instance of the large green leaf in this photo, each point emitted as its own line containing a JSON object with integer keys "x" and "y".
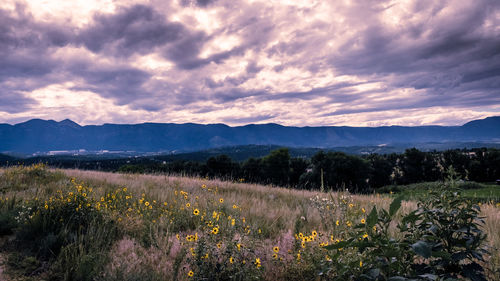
{"x": 422, "y": 248}
{"x": 410, "y": 218}
{"x": 372, "y": 218}
{"x": 341, "y": 244}
{"x": 397, "y": 278}
{"x": 395, "y": 205}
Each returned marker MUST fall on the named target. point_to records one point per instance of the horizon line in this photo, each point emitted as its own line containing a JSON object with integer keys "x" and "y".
{"x": 249, "y": 124}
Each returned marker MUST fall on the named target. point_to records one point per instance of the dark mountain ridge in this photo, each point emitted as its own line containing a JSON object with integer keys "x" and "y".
{"x": 38, "y": 135}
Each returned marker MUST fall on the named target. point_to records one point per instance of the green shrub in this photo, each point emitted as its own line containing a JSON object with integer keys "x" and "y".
{"x": 389, "y": 189}
{"x": 85, "y": 258}
{"x": 68, "y": 232}
{"x": 470, "y": 185}
{"x": 20, "y": 178}
{"x": 442, "y": 240}
{"x": 8, "y": 213}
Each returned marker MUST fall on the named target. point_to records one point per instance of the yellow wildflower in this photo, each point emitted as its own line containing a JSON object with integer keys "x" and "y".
{"x": 215, "y": 230}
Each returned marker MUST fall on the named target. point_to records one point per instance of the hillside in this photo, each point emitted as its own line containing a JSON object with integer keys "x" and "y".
{"x": 145, "y": 227}
{"x": 43, "y": 136}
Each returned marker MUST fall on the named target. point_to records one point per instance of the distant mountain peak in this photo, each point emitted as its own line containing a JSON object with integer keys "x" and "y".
{"x": 488, "y": 121}
{"x": 70, "y": 123}
{"x": 36, "y": 122}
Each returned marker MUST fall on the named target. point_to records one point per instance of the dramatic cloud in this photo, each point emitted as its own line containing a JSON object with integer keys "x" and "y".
{"x": 302, "y": 63}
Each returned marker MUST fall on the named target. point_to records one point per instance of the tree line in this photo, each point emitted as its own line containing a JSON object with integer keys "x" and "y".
{"x": 337, "y": 170}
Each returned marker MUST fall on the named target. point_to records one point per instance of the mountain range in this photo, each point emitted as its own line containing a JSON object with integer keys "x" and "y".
{"x": 41, "y": 136}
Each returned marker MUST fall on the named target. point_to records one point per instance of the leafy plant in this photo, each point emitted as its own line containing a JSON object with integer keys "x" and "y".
{"x": 441, "y": 240}
{"x": 447, "y": 235}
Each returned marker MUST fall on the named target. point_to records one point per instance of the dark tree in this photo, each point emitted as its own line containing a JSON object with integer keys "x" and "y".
{"x": 220, "y": 166}
{"x": 276, "y": 167}
{"x": 458, "y": 159}
{"x": 252, "y": 170}
{"x": 380, "y": 170}
{"x": 298, "y": 167}
{"x": 340, "y": 170}
{"x": 413, "y": 163}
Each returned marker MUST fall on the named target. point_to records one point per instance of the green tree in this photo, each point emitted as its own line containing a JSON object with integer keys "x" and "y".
{"x": 276, "y": 167}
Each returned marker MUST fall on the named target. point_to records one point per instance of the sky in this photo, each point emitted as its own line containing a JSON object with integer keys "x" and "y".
{"x": 295, "y": 62}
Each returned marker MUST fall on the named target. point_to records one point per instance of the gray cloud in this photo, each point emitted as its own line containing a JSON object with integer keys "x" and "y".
{"x": 15, "y": 102}
{"x": 246, "y": 120}
{"x": 199, "y": 3}
{"x": 136, "y": 29}
{"x": 125, "y": 85}
{"x": 23, "y": 46}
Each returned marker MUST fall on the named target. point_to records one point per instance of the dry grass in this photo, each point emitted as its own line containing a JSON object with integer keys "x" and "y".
{"x": 274, "y": 205}
{"x": 261, "y": 201}
{"x": 279, "y": 207}
{"x": 276, "y": 210}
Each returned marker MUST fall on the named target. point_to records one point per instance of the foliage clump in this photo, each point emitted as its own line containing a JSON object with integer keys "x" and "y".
{"x": 440, "y": 240}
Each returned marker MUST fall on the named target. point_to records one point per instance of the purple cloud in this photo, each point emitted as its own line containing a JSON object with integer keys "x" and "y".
{"x": 307, "y": 63}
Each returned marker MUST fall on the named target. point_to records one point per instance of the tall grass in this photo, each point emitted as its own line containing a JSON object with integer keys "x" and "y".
{"x": 155, "y": 243}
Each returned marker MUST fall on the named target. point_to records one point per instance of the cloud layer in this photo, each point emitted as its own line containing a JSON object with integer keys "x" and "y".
{"x": 360, "y": 63}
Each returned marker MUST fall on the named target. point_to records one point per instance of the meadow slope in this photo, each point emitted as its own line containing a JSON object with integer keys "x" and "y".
{"x": 157, "y": 227}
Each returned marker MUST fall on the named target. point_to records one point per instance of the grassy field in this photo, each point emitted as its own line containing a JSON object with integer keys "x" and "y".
{"x": 479, "y": 192}
{"x": 86, "y": 225}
